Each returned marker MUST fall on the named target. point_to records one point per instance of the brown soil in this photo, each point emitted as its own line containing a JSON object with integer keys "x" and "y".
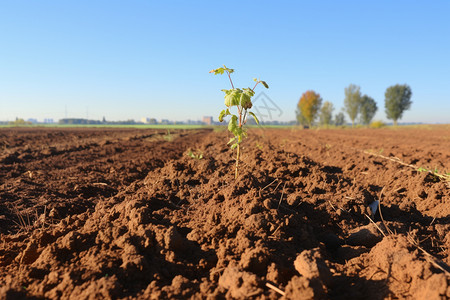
{"x": 99, "y": 214}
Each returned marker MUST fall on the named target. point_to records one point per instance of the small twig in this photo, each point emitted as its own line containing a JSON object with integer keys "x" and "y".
{"x": 271, "y": 286}
{"x": 267, "y": 186}
{"x": 398, "y": 160}
{"x": 432, "y": 221}
{"x": 433, "y": 260}
{"x": 276, "y": 187}
{"x": 332, "y": 206}
{"x": 381, "y": 215}
{"x": 281, "y": 198}
{"x": 278, "y": 228}
{"x": 218, "y": 270}
{"x": 378, "y": 227}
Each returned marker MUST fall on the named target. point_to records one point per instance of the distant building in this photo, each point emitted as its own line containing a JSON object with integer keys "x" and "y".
{"x": 31, "y": 120}
{"x": 49, "y": 121}
{"x": 194, "y": 122}
{"x": 146, "y": 120}
{"x": 207, "y": 120}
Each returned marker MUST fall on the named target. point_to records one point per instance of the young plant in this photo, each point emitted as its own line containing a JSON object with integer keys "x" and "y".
{"x": 195, "y": 155}
{"x": 242, "y": 100}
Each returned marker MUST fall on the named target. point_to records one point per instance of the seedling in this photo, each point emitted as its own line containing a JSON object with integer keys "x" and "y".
{"x": 242, "y": 100}
{"x": 195, "y": 155}
{"x": 168, "y": 137}
{"x": 260, "y": 147}
{"x": 435, "y": 172}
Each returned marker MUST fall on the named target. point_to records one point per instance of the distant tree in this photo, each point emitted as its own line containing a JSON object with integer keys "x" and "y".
{"x": 300, "y": 118}
{"x": 367, "y": 109}
{"x": 397, "y": 100}
{"x": 339, "y": 119}
{"x": 308, "y": 105}
{"x": 352, "y": 101}
{"x": 326, "y": 113}
{"x": 19, "y": 122}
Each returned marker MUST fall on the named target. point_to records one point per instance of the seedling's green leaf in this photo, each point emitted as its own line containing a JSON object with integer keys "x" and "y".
{"x": 220, "y": 71}
{"x": 228, "y": 69}
{"x": 234, "y": 146}
{"x": 249, "y": 92}
{"x": 246, "y": 101}
{"x": 246, "y": 97}
{"x": 254, "y": 117}
{"x": 223, "y": 114}
{"x": 232, "y": 125}
{"x": 217, "y": 71}
{"x": 232, "y": 97}
{"x": 265, "y": 84}
{"x": 232, "y": 140}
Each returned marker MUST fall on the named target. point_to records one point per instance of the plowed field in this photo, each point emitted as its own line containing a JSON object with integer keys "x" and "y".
{"x": 128, "y": 213}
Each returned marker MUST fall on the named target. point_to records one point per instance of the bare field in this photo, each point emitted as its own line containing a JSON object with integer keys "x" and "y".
{"x": 127, "y": 213}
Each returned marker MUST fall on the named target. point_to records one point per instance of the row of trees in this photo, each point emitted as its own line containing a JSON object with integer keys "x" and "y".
{"x": 360, "y": 108}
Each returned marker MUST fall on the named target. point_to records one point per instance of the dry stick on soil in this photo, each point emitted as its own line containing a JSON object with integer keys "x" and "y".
{"x": 271, "y": 286}
{"x": 378, "y": 227}
{"x": 276, "y": 187}
{"x": 22, "y": 223}
{"x": 433, "y": 260}
{"x": 332, "y": 206}
{"x": 397, "y": 160}
{"x": 381, "y": 215}
{"x": 281, "y": 198}
{"x": 260, "y": 190}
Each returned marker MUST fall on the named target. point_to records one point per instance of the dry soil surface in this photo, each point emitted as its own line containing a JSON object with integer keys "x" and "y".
{"x": 127, "y": 213}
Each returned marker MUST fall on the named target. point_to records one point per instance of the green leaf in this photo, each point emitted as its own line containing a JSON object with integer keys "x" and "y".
{"x": 254, "y": 116}
{"x": 264, "y": 84}
{"x": 217, "y": 71}
{"x": 234, "y": 146}
{"x": 223, "y": 114}
{"x": 246, "y": 101}
{"x": 227, "y": 69}
{"x": 232, "y": 125}
{"x": 231, "y": 140}
{"x": 220, "y": 71}
{"x": 249, "y": 92}
{"x": 232, "y": 97}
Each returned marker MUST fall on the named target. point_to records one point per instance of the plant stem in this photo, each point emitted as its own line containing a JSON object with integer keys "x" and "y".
{"x": 237, "y": 163}
{"x": 230, "y": 79}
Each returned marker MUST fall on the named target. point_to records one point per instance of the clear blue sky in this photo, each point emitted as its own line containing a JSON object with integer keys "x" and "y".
{"x": 133, "y": 59}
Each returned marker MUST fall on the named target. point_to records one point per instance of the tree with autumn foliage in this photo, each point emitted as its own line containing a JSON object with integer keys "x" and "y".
{"x": 309, "y": 105}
